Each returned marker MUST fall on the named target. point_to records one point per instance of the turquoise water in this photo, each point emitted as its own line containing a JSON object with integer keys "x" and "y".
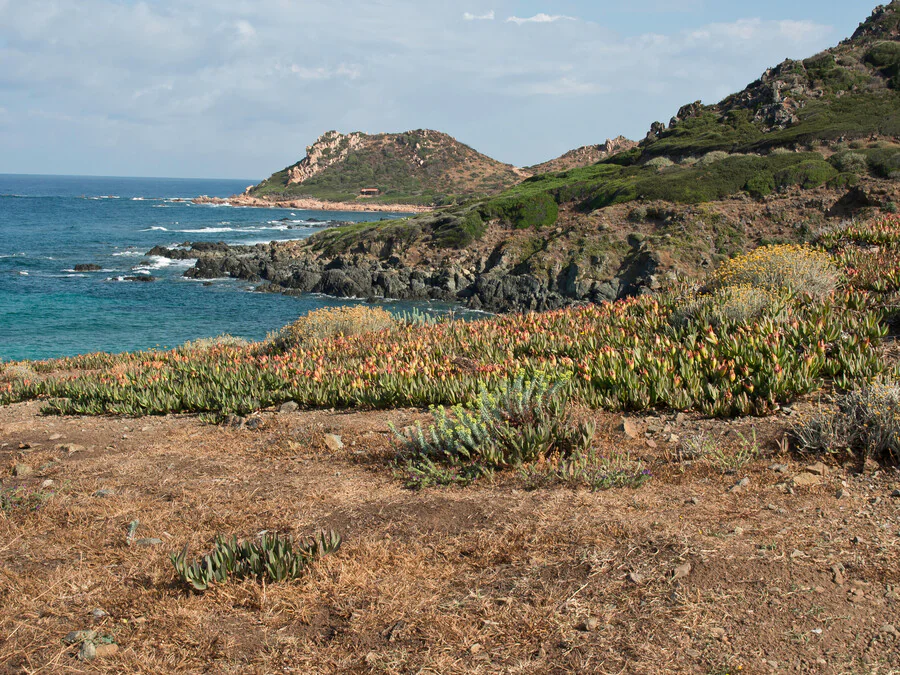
{"x": 49, "y": 224}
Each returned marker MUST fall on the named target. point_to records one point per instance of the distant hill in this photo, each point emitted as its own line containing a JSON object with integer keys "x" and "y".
{"x": 584, "y": 156}
{"x": 415, "y": 167}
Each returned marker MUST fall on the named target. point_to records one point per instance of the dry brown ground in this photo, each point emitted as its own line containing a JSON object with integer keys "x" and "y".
{"x": 485, "y": 579}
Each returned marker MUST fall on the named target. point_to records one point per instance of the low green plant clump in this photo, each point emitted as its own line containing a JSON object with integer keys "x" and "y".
{"x": 740, "y": 303}
{"x": 271, "y": 557}
{"x": 588, "y": 470}
{"x": 780, "y": 269}
{"x": 332, "y": 322}
{"x": 522, "y": 421}
{"x": 865, "y": 420}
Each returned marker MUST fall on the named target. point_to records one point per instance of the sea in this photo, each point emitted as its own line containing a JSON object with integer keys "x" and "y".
{"x": 50, "y": 224}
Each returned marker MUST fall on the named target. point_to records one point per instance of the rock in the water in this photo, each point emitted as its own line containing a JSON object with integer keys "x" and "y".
{"x": 87, "y": 267}
{"x": 333, "y": 442}
{"x": 22, "y": 470}
{"x": 288, "y": 407}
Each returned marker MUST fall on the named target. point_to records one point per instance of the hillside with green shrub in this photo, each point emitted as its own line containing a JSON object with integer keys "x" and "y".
{"x": 829, "y": 121}
{"x": 417, "y": 167}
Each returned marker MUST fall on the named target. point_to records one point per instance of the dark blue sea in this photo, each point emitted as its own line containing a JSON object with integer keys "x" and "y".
{"x": 49, "y": 224}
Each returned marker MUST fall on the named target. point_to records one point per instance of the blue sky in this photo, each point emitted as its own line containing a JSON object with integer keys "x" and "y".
{"x": 239, "y": 88}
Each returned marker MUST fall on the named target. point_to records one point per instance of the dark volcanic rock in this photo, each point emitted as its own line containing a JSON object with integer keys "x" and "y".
{"x": 498, "y": 283}
{"x": 87, "y": 267}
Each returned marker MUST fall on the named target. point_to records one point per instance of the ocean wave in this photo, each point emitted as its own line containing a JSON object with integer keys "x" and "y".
{"x": 12, "y": 255}
{"x": 156, "y": 228}
{"x": 105, "y": 197}
{"x": 158, "y": 262}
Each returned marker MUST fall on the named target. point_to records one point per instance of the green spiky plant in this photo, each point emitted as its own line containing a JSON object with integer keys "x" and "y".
{"x": 272, "y": 557}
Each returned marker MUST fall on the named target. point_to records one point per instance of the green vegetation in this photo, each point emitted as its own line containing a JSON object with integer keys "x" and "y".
{"x": 865, "y": 420}
{"x": 272, "y": 558}
{"x": 417, "y": 167}
{"x": 628, "y": 355}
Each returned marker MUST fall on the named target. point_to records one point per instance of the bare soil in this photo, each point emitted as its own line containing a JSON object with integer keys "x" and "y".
{"x": 490, "y": 578}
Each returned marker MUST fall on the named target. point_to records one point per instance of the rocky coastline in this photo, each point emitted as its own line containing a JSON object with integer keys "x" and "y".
{"x": 493, "y": 283}
{"x": 309, "y": 204}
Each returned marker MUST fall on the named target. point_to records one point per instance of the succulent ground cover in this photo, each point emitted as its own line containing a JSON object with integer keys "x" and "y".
{"x": 635, "y": 354}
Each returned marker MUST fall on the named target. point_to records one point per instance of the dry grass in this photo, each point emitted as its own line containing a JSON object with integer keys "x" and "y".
{"x": 486, "y": 579}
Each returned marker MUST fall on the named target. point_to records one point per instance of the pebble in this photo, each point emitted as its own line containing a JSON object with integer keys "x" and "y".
{"x": 888, "y": 629}
{"x": 629, "y": 428}
{"x": 740, "y": 485}
{"x": 79, "y": 636}
{"x": 333, "y": 442}
{"x": 99, "y": 613}
{"x": 896, "y": 494}
{"x": 738, "y": 531}
{"x": 47, "y": 483}
{"x": 106, "y": 650}
{"x": 681, "y": 571}
{"x": 693, "y": 500}
{"x": 779, "y": 468}
{"x": 837, "y": 574}
{"x": 589, "y": 625}
{"x": 635, "y": 578}
{"x": 693, "y": 653}
{"x": 254, "y": 424}
{"x": 148, "y": 541}
{"x": 70, "y": 448}
{"x": 288, "y": 407}
{"x": 806, "y": 479}
{"x": 476, "y": 648}
{"x": 88, "y": 651}
{"x": 841, "y": 494}
{"x": 54, "y": 437}
{"x": 650, "y": 443}
{"x": 22, "y": 470}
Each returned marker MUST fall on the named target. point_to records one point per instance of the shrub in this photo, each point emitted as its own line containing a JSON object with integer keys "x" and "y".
{"x": 205, "y": 344}
{"x": 781, "y": 151}
{"x": 865, "y": 420}
{"x": 891, "y": 207}
{"x": 809, "y": 174}
{"x": 850, "y": 162}
{"x": 637, "y": 215}
{"x": 456, "y": 232}
{"x": 523, "y": 421}
{"x": 712, "y": 157}
{"x": 783, "y": 268}
{"x": 521, "y": 212}
{"x": 885, "y": 162}
{"x": 273, "y": 558}
{"x": 660, "y": 163}
{"x": 728, "y": 305}
{"x": 761, "y": 185}
{"x": 333, "y": 322}
{"x": 843, "y": 181}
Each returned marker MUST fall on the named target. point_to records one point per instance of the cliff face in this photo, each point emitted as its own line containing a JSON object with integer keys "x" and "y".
{"x": 584, "y": 156}
{"x": 415, "y": 167}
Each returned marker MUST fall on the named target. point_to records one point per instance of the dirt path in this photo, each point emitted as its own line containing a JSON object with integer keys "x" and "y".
{"x": 486, "y": 579}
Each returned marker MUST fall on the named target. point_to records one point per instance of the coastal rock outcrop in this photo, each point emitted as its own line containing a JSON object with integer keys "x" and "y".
{"x": 496, "y": 283}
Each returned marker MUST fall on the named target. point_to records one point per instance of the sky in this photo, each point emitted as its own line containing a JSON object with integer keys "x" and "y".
{"x": 239, "y": 88}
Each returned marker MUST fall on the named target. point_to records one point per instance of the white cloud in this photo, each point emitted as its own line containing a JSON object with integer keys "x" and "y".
{"x": 540, "y": 18}
{"x": 349, "y": 72}
{"x": 566, "y": 86}
{"x": 489, "y": 16}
